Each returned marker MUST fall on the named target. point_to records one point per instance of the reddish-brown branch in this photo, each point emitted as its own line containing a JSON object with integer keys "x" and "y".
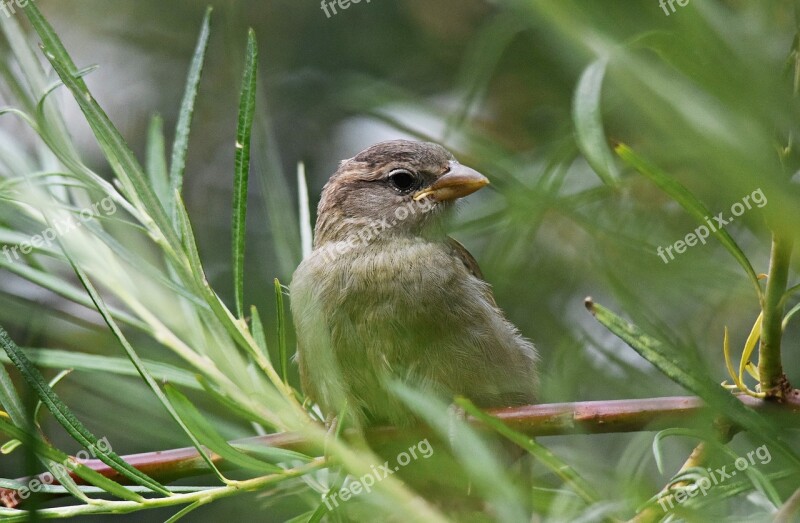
{"x": 590, "y": 417}
{"x": 790, "y": 510}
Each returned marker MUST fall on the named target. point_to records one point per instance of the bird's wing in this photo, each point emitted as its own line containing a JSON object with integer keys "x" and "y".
{"x": 461, "y": 252}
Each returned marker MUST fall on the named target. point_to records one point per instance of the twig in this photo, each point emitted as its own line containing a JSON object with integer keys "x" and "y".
{"x": 590, "y": 417}
{"x": 790, "y": 509}
{"x": 697, "y": 458}
{"x": 773, "y": 381}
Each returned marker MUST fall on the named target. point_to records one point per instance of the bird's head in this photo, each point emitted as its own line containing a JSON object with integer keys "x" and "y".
{"x": 398, "y": 187}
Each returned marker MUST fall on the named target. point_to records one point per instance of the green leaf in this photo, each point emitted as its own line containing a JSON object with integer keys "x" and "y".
{"x": 52, "y": 384}
{"x": 208, "y": 436}
{"x": 542, "y": 453}
{"x": 116, "y": 150}
{"x": 12, "y": 403}
{"x": 157, "y": 159}
{"x": 671, "y": 363}
{"x": 691, "y": 204}
{"x": 685, "y": 374}
{"x": 66, "y": 290}
{"x": 82, "y": 471}
{"x": 483, "y": 467}
{"x": 184, "y": 125}
{"x": 282, "y": 351}
{"x": 71, "y": 424}
{"x": 144, "y": 266}
{"x": 198, "y": 273}
{"x": 587, "y": 115}
{"x": 10, "y": 400}
{"x": 81, "y": 361}
{"x": 230, "y": 405}
{"x": 185, "y": 511}
{"x": 247, "y": 104}
{"x": 758, "y": 479}
{"x": 25, "y": 57}
{"x": 236, "y": 329}
{"x": 136, "y": 360}
{"x": 8, "y": 483}
{"x": 272, "y": 454}
{"x": 258, "y": 333}
{"x": 666, "y": 433}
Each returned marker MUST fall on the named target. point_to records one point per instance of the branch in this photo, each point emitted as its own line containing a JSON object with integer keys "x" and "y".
{"x": 770, "y": 370}
{"x": 789, "y": 511}
{"x": 589, "y": 417}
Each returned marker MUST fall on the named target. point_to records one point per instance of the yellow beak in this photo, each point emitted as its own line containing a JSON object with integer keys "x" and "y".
{"x": 458, "y": 182}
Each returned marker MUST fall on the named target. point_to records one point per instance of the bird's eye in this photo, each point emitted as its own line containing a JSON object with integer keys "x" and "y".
{"x": 403, "y": 180}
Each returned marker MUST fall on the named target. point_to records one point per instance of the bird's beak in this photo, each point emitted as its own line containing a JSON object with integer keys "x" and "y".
{"x": 458, "y": 182}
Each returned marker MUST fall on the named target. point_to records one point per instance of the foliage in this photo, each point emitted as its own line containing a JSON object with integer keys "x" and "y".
{"x": 609, "y": 131}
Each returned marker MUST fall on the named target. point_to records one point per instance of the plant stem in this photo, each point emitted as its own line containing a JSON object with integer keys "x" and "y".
{"x": 652, "y": 514}
{"x": 773, "y": 380}
{"x": 790, "y": 509}
{"x": 588, "y": 417}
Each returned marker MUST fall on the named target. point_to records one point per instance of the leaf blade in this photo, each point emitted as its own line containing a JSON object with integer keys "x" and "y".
{"x": 181, "y": 144}
{"x": 244, "y": 132}
{"x": 67, "y": 419}
{"x": 691, "y": 204}
{"x": 587, "y": 117}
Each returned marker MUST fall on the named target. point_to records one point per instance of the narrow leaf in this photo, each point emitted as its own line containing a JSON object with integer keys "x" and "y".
{"x": 185, "y": 511}
{"x": 284, "y": 358}
{"x": 209, "y": 437}
{"x": 683, "y": 373}
{"x": 258, "y": 333}
{"x": 157, "y": 159}
{"x": 691, "y": 204}
{"x": 482, "y": 465}
{"x": 247, "y": 105}
{"x": 542, "y": 453}
{"x": 137, "y": 361}
{"x": 750, "y": 345}
{"x": 81, "y": 361}
{"x": 116, "y": 150}
{"x": 230, "y": 405}
{"x": 10, "y": 400}
{"x": 668, "y": 362}
{"x": 82, "y": 471}
{"x": 236, "y": 329}
{"x": 71, "y": 424}
{"x": 181, "y": 143}
{"x": 587, "y": 116}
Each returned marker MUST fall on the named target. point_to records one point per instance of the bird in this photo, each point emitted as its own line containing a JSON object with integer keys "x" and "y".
{"x": 386, "y": 295}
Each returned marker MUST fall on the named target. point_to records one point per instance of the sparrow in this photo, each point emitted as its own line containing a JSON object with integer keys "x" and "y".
{"x": 387, "y": 295}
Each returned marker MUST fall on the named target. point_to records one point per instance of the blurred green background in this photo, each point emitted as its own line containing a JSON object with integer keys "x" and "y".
{"x": 705, "y": 92}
